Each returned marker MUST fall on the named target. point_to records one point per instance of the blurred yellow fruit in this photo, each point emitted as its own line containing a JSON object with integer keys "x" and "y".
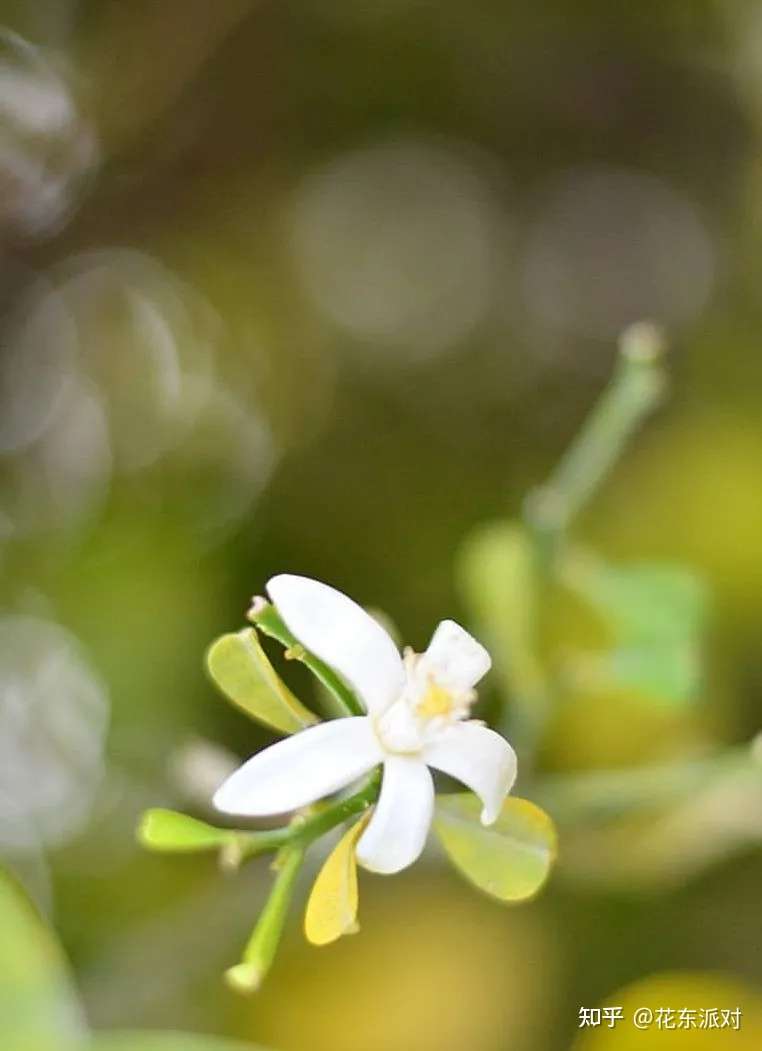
{"x": 433, "y": 969}
{"x": 679, "y": 990}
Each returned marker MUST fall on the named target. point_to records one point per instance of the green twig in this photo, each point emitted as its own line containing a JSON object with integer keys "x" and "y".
{"x": 158, "y": 829}
{"x": 258, "y": 956}
{"x": 292, "y": 841}
{"x": 305, "y": 830}
{"x": 635, "y": 389}
{"x": 600, "y": 795}
{"x": 167, "y": 831}
{"x": 637, "y": 386}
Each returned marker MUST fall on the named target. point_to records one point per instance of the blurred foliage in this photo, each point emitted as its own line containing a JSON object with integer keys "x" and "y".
{"x": 655, "y": 613}
{"x": 40, "y": 1011}
{"x": 496, "y": 572}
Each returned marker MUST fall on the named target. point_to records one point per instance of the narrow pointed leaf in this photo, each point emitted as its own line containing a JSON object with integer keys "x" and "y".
{"x": 332, "y": 906}
{"x": 39, "y": 1010}
{"x": 509, "y": 860}
{"x": 239, "y": 666}
{"x": 168, "y": 830}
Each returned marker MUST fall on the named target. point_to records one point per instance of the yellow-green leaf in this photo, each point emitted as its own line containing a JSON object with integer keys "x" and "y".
{"x": 240, "y": 668}
{"x": 168, "y": 830}
{"x": 332, "y": 907}
{"x": 509, "y": 860}
{"x": 266, "y": 617}
{"x": 497, "y": 579}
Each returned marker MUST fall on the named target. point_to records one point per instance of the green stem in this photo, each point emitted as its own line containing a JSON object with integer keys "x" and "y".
{"x": 258, "y": 956}
{"x": 599, "y": 795}
{"x": 265, "y": 617}
{"x": 292, "y": 843}
{"x": 635, "y": 389}
{"x": 304, "y": 830}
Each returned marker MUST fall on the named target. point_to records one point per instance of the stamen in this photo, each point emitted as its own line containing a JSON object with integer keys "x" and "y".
{"x": 436, "y": 701}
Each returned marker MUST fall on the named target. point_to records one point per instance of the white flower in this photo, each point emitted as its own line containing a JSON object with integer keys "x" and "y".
{"x": 417, "y": 717}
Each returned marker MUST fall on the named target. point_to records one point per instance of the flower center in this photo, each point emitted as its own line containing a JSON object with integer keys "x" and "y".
{"x": 435, "y": 701}
{"x": 426, "y": 706}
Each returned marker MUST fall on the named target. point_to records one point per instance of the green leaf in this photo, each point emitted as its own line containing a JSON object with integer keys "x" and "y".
{"x": 163, "y": 1041}
{"x": 168, "y": 830}
{"x": 240, "y": 668}
{"x": 671, "y": 672}
{"x": 656, "y": 614}
{"x": 39, "y": 1010}
{"x": 510, "y": 859}
{"x": 496, "y": 575}
{"x": 266, "y": 617}
{"x": 332, "y": 906}
{"x": 642, "y": 601}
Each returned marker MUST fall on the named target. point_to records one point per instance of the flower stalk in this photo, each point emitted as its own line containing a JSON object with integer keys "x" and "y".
{"x": 291, "y": 843}
{"x": 304, "y": 830}
{"x": 258, "y": 956}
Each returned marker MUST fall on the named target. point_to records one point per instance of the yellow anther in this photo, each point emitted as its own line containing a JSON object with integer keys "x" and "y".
{"x": 436, "y": 701}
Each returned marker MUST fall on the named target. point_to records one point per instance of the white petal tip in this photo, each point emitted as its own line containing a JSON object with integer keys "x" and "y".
{"x": 281, "y": 587}
{"x": 228, "y": 801}
{"x": 279, "y": 578}
{"x": 221, "y": 802}
{"x": 378, "y": 869}
{"x": 341, "y": 633}
{"x": 457, "y": 656}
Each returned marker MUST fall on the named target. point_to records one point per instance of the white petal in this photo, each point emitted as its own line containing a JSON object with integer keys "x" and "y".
{"x": 457, "y": 659}
{"x": 343, "y": 635}
{"x": 480, "y": 758}
{"x": 397, "y": 832}
{"x": 301, "y": 769}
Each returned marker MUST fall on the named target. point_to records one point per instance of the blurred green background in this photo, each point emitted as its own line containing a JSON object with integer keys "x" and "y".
{"x": 319, "y": 287}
